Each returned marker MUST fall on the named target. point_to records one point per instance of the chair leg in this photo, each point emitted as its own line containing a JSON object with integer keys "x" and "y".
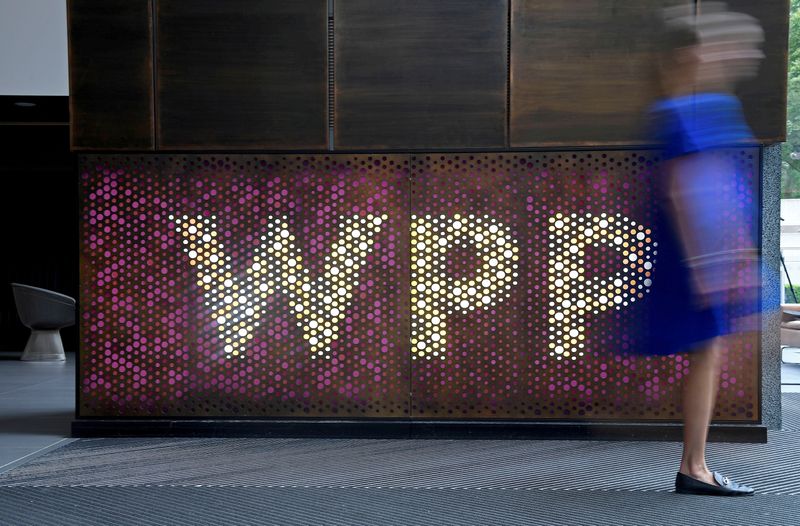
{"x": 44, "y": 346}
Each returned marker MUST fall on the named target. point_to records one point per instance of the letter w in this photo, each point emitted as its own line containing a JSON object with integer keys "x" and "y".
{"x": 236, "y": 301}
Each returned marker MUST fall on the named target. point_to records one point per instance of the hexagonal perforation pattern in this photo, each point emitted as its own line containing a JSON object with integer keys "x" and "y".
{"x": 244, "y": 286}
{"x": 486, "y": 285}
{"x": 561, "y": 341}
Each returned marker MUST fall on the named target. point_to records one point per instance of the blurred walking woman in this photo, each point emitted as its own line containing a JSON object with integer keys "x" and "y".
{"x": 707, "y": 282}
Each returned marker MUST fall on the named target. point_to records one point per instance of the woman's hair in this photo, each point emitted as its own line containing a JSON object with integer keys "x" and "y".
{"x": 677, "y": 36}
{"x": 675, "y": 33}
{"x": 711, "y": 24}
{"x": 725, "y": 38}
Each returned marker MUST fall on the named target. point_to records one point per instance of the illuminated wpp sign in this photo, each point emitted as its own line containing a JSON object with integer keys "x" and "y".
{"x": 319, "y": 303}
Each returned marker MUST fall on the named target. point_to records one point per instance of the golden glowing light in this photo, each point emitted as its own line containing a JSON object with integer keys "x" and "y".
{"x": 572, "y": 294}
{"x": 435, "y": 295}
{"x": 319, "y": 303}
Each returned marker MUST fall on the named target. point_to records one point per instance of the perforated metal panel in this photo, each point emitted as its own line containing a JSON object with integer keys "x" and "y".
{"x": 233, "y": 286}
{"x": 424, "y": 286}
{"x": 548, "y": 261}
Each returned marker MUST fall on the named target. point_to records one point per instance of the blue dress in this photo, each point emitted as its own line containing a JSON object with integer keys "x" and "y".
{"x": 677, "y": 321}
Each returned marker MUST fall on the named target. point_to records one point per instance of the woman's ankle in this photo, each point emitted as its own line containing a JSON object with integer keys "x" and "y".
{"x": 698, "y": 472}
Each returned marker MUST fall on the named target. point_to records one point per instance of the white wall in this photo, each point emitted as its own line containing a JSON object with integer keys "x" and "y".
{"x": 33, "y": 47}
{"x": 790, "y": 242}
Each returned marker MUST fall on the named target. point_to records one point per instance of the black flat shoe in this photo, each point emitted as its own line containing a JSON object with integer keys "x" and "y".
{"x": 727, "y": 488}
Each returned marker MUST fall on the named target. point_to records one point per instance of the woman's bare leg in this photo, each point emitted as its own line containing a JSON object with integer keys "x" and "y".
{"x": 699, "y": 398}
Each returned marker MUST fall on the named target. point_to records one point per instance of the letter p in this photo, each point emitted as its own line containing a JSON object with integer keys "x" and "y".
{"x": 573, "y": 294}
{"x": 435, "y": 295}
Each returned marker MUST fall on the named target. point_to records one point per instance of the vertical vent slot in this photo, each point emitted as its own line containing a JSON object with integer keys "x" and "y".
{"x": 508, "y": 77}
{"x": 331, "y": 76}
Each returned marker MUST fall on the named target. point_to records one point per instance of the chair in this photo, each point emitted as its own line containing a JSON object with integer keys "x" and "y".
{"x": 45, "y": 312}
{"x": 790, "y": 325}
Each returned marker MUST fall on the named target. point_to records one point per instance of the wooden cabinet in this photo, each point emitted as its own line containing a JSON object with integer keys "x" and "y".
{"x": 373, "y": 75}
{"x": 420, "y": 74}
{"x": 111, "y": 74}
{"x": 241, "y": 74}
{"x": 764, "y": 97}
{"x": 581, "y": 72}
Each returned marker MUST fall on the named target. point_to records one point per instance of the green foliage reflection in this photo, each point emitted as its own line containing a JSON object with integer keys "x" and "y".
{"x": 790, "y": 184}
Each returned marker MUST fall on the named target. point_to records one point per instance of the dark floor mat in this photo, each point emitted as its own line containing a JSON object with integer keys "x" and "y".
{"x": 143, "y": 506}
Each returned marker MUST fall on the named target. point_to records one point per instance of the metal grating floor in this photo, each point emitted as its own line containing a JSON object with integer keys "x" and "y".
{"x": 319, "y": 481}
{"x": 401, "y": 464}
{"x": 373, "y": 507}
{"x": 790, "y": 411}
